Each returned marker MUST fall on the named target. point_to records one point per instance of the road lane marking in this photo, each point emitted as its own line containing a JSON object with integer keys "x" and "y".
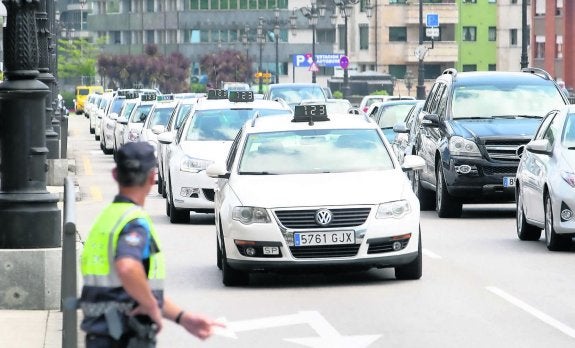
{"x": 87, "y": 165}
{"x": 328, "y": 336}
{"x": 533, "y": 311}
{"x": 96, "y": 193}
{"x": 431, "y": 254}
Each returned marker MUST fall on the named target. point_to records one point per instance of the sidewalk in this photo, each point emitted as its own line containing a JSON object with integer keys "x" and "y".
{"x": 30, "y": 329}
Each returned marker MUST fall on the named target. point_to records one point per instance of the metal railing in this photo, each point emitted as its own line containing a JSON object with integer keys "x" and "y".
{"x": 69, "y": 272}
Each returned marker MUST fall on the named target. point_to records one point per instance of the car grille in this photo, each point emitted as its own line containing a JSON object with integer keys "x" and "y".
{"x": 500, "y": 170}
{"x": 209, "y": 194}
{"x": 504, "y": 149}
{"x": 302, "y": 219}
{"x": 324, "y": 251}
{"x": 385, "y": 247}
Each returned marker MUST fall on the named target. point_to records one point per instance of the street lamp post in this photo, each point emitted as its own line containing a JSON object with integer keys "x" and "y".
{"x": 245, "y": 43}
{"x": 524, "y": 35}
{"x": 421, "y": 69}
{"x": 312, "y": 14}
{"x": 408, "y": 81}
{"x": 277, "y": 40}
{"x": 345, "y": 10}
{"x": 260, "y": 39}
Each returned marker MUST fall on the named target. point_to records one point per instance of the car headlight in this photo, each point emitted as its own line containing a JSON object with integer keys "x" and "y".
{"x": 250, "y": 215}
{"x": 194, "y": 165}
{"x": 395, "y": 209}
{"x": 569, "y": 177}
{"x": 459, "y": 146}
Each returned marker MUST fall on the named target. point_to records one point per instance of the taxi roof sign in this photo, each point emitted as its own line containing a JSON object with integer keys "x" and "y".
{"x": 310, "y": 113}
{"x": 217, "y": 94}
{"x": 148, "y": 97}
{"x": 241, "y": 96}
{"x": 165, "y": 97}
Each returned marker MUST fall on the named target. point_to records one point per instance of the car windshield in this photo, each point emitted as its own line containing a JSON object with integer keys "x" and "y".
{"x": 181, "y": 116}
{"x": 295, "y": 95}
{"x": 569, "y": 131}
{"x": 314, "y": 151}
{"x": 127, "y": 109}
{"x": 486, "y": 101}
{"x": 117, "y": 105}
{"x": 160, "y": 117}
{"x": 370, "y": 101}
{"x": 393, "y": 114}
{"x": 139, "y": 115}
{"x": 223, "y": 125}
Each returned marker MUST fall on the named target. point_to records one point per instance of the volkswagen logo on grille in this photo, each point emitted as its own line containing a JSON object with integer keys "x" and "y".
{"x": 323, "y": 217}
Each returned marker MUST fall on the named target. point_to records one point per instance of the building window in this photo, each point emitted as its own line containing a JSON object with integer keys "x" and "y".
{"x": 513, "y": 37}
{"x": 469, "y": 67}
{"x": 397, "y": 71}
{"x": 149, "y": 5}
{"x": 363, "y": 37}
{"x": 115, "y": 37}
{"x": 540, "y": 7}
{"x": 398, "y": 34}
{"x": 469, "y": 33}
{"x": 559, "y": 46}
{"x": 325, "y": 36}
{"x": 492, "y": 1}
{"x": 398, "y": 1}
{"x": 492, "y": 34}
{"x": 470, "y": 1}
{"x": 540, "y": 47}
{"x": 341, "y": 36}
{"x": 513, "y": 1}
{"x": 150, "y": 36}
{"x": 492, "y": 67}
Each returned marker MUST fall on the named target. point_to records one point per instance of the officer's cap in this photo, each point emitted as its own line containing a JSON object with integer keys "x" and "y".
{"x": 136, "y": 157}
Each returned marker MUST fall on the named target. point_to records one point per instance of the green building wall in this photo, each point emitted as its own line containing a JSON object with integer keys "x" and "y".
{"x": 482, "y": 14}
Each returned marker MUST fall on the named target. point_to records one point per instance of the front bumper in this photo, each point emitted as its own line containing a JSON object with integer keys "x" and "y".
{"x": 194, "y": 191}
{"x": 562, "y": 197}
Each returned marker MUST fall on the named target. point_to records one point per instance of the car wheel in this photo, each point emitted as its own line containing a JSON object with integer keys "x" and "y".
{"x": 92, "y": 130}
{"x": 554, "y": 241}
{"x": 218, "y": 249}
{"x": 167, "y": 207}
{"x": 525, "y": 231}
{"x": 414, "y": 269}
{"x": 446, "y": 206}
{"x": 160, "y": 185}
{"x": 425, "y": 196}
{"x": 230, "y": 276}
{"x": 177, "y": 216}
{"x": 164, "y": 189}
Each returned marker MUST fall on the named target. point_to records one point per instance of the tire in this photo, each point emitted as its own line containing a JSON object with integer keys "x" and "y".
{"x": 167, "y": 207}
{"x": 177, "y": 216}
{"x": 97, "y": 137}
{"x": 160, "y": 185}
{"x": 230, "y": 276}
{"x": 425, "y": 196}
{"x": 414, "y": 269}
{"x": 554, "y": 241}
{"x": 218, "y": 249}
{"x": 92, "y": 130}
{"x": 525, "y": 231}
{"x": 445, "y": 205}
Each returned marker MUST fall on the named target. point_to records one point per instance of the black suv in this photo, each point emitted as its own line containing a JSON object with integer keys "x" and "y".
{"x": 473, "y": 123}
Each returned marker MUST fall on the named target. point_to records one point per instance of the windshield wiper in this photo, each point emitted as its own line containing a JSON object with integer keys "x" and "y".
{"x": 472, "y": 118}
{"x": 571, "y": 148}
{"x": 256, "y": 173}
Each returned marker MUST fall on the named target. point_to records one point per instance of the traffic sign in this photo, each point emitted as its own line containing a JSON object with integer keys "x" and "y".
{"x": 326, "y": 60}
{"x": 432, "y": 32}
{"x": 432, "y": 20}
{"x": 344, "y": 62}
{"x": 313, "y": 67}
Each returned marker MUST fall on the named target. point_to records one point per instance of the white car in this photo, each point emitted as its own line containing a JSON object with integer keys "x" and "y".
{"x": 177, "y": 118}
{"x": 312, "y": 192}
{"x": 135, "y": 122}
{"x": 122, "y": 121}
{"x": 157, "y": 119}
{"x": 205, "y": 137}
{"x": 545, "y": 182}
{"x": 102, "y": 108}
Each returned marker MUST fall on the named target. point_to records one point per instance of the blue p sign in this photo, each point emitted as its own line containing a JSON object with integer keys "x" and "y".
{"x": 432, "y": 20}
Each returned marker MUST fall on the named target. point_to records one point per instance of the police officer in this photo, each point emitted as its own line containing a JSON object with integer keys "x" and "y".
{"x": 123, "y": 265}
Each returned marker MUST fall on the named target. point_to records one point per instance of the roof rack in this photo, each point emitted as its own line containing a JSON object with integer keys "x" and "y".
{"x": 537, "y": 71}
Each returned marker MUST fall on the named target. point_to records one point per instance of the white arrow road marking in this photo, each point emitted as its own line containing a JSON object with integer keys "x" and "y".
{"x": 328, "y": 335}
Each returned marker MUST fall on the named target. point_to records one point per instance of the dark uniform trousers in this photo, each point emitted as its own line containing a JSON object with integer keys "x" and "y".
{"x": 104, "y": 341}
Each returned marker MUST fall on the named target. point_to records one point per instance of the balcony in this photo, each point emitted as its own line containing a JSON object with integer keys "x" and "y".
{"x": 447, "y": 11}
{"x": 443, "y": 51}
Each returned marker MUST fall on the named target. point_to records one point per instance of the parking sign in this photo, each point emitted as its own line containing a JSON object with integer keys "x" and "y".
{"x": 432, "y": 20}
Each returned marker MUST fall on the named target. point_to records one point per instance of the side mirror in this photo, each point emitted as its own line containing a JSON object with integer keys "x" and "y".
{"x": 159, "y": 129}
{"x": 430, "y": 120}
{"x": 165, "y": 138}
{"x": 122, "y": 120}
{"x": 540, "y": 146}
{"x": 412, "y": 162}
{"x": 217, "y": 170}
{"x": 113, "y": 116}
{"x": 400, "y": 127}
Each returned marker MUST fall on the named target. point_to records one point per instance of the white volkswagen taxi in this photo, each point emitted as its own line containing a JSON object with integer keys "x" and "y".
{"x": 206, "y": 137}
{"x": 314, "y": 191}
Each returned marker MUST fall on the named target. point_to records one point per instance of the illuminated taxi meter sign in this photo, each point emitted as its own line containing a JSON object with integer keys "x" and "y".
{"x": 148, "y": 97}
{"x": 165, "y": 97}
{"x": 310, "y": 113}
{"x": 131, "y": 95}
{"x": 217, "y": 94}
{"x": 241, "y": 96}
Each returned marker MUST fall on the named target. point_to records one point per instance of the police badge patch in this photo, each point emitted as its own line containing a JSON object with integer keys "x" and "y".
{"x": 133, "y": 239}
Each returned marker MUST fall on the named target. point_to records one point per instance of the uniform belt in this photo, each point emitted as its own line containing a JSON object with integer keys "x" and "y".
{"x": 96, "y": 309}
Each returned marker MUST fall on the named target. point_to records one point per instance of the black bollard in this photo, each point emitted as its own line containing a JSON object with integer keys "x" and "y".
{"x": 29, "y": 213}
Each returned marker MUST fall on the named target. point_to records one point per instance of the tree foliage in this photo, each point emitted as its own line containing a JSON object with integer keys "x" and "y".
{"x": 77, "y": 58}
{"x": 227, "y": 65}
{"x": 168, "y": 73}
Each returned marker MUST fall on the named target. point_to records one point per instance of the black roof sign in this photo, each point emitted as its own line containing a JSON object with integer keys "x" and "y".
{"x": 310, "y": 113}
{"x": 217, "y": 94}
{"x": 241, "y": 96}
{"x": 148, "y": 97}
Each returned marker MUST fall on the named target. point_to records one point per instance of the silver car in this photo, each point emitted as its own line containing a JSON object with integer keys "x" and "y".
{"x": 545, "y": 182}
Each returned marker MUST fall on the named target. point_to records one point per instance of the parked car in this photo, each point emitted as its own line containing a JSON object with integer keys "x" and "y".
{"x": 407, "y": 131}
{"x": 389, "y": 113}
{"x": 284, "y": 200}
{"x": 545, "y": 182}
{"x": 473, "y": 124}
{"x": 368, "y": 100}
{"x": 294, "y": 93}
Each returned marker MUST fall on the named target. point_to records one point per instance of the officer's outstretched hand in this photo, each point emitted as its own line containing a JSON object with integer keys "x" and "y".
{"x": 199, "y": 325}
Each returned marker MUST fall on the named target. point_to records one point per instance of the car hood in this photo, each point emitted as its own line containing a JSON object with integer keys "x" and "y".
{"x": 208, "y": 150}
{"x": 497, "y": 127}
{"x": 273, "y": 191}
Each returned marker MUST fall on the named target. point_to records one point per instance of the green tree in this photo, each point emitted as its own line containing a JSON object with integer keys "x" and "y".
{"x": 77, "y": 58}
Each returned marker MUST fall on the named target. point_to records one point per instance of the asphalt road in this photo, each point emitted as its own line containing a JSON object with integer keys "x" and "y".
{"x": 481, "y": 286}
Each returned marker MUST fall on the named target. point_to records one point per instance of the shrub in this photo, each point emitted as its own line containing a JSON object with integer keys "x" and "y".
{"x": 338, "y": 95}
{"x": 380, "y": 92}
